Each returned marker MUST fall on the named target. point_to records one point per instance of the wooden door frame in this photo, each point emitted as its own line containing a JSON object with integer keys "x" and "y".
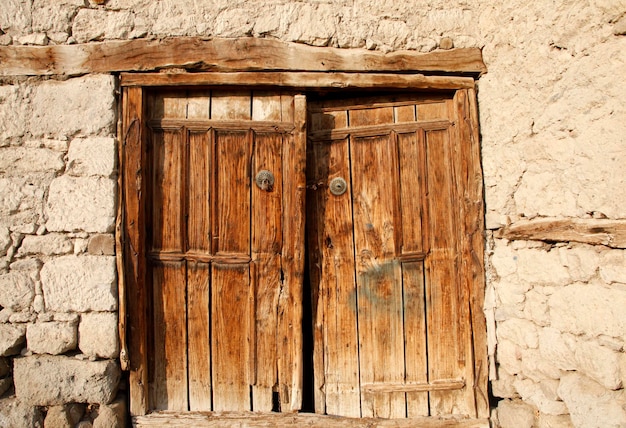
{"x": 396, "y": 72}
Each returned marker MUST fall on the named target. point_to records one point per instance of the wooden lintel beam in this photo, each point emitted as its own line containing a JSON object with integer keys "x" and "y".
{"x": 611, "y": 233}
{"x": 300, "y": 80}
{"x": 243, "y": 54}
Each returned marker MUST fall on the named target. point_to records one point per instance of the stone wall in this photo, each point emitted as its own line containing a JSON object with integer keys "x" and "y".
{"x": 552, "y": 117}
{"x": 58, "y": 286}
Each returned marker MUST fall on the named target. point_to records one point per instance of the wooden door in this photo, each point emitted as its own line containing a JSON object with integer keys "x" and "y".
{"x": 391, "y": 264}
{"x": 223, "y": 252}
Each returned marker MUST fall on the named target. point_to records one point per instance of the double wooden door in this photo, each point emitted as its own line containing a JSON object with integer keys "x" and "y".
{"x": 394, "y": 237}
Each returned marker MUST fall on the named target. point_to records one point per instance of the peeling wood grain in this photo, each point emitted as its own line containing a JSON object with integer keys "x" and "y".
{"x": 242, "y": 54}
{"x": 611, "y": 233}
{"x": 265, "y": 420}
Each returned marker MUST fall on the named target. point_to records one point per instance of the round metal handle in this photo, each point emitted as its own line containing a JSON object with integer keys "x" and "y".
{"x": 338, "y": 186}
{"x": 265, "y": 180}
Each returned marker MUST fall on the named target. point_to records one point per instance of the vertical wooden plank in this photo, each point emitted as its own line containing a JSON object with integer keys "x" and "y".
{"x": 167, "y": 149}
{"x": 230, "y": 338}
{"x": 199, "y": 349}
{"x": 199, "y": 192}
{"x": 267, "y": 241}
{"x": 233, "y": 197}
{"x": 411, "y": 163}
{"x": 327, "y": 120}
{"x": 379, "y": 280}
{"x": 314, "y": 215}
{"x": 446, "y": 354}
{"x": 432, "y": 111}
{"x": 415, "y": 336}
{"x": 170, "y": 336}
{"x": 290, "y": 298}
{"x": 169, "y": 105}
{"x": 198, "y": 104}
{"x": 404, "y": 114}
{"x": 337, "y": 295}
{"x": 134, "y": 183}
{"x": 231, "y": 105}
{"x": 266, "y": 106}
{"x": 371, "y": 116}
{"x": 472, "y": 243}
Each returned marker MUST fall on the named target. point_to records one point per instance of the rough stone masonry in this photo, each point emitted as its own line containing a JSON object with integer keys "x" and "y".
{"x": 552, "y": 118}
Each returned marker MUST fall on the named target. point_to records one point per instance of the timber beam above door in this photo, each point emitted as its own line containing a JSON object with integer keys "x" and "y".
{"x": 242, "y": 54}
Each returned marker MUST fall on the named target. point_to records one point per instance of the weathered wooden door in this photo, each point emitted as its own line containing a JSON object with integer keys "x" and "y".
{"x": 224, "y": 249}
{"x": 391, "y": 258}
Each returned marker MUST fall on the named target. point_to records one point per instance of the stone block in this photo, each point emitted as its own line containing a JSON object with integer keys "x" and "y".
{"x": 541, "y": 394}
{"x": 54, "y": 16}
{"x": 509, "y": 357}
{"x": 589, "y": 309}
{"x": 16, "y": 161}
{"x": 537, "y": 368}
{"x": 516, "y": 414}
{"x": 48, "y": 245}
{"x": 613, "y": 267}
{"x": 590, "y": 404}
{"x": 519, "y": 331}
{"x": 111, "y": 415}
{"x": 15, "y": 16}
{"x": 98, "y": 335}
{"x": 44, "y": 380}
{"x": 557, "y": 348}
{"x": 554, "y": 421}
{"x": 5, "y": 240}
{"x": 20, "y": 201}
{"x": 17, "y": 290}
{"x": 599, "y": 363}
{"x": 102, "y": 245}
{"x": 16, "y": 413}
{"x": 81, "y": 105}
{"x": 51, "y": 337}
{"x": 81, "y": 204}
{"x": 80, "y": 284}
{"x": 92, "y": 156}
{"x": 503, "y": 386}
{"x": 12, "y": 339}
{"x": 99, "y": 24}
{"x": 57, "y": 417}
{"x": 539, "y": 267}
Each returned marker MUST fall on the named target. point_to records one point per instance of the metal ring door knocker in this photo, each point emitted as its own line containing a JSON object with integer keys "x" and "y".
{"x": 338, "y": 186}
{"x": 265, "y": 180}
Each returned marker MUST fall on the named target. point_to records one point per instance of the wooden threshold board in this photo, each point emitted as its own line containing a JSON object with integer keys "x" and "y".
{"x": 295, "y": 420}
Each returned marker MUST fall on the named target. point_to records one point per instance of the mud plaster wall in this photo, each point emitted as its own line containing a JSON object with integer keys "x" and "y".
{"x": 552, "y": 117}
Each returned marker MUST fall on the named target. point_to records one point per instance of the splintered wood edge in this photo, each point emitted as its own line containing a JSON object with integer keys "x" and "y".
{"x": 242, "y": 54}
{"x": 611, "y": 233}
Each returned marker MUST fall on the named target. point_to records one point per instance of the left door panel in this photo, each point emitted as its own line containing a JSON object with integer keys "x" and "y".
{"x": 216, "y": 296}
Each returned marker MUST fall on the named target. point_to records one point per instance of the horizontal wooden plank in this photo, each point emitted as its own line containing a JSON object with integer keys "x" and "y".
{"x": 611, "y": 233}
{"x": 301, "y": 80}
{"x": 374, "y": 130}
{"x": 413, "y": 386}
{"x": 270, "y": 420}
{"x": 243, "y": 54}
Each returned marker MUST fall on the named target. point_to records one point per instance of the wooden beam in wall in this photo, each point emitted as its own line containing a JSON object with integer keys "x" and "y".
{"x": 301, "y": 80}
{"x": 243, "y": 54}
{"x": 611, "y": 233}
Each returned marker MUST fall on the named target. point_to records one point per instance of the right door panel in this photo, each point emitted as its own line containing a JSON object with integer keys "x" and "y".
{"x": 392, "y": 325}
